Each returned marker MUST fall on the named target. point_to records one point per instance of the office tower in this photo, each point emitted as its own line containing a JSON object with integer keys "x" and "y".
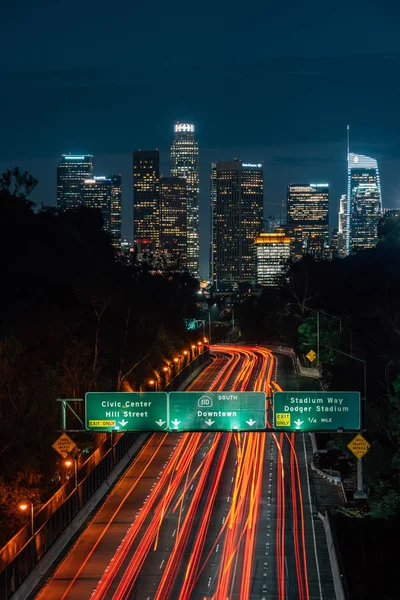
{"x": 364, "y": 206}
{"x": 185, "y": 163}
{"x": 72, "y": 170}
{"x": 96, "y": 193}
{"x": 173, "y": 240}
{"x": 342, "y": 225}
{"x": 116, "y": 209}
{"x": 272, "y": 256}
{"x": 307, "y": 207}
{"x": 146, "y": 199}
{"x": 237, "y": 194}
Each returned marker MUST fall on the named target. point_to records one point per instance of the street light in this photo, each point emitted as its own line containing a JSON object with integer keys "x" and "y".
{"x": 68, "y": 464}
{"x": 24, "y": 507}
{"x": 360, "y": 494}
{"x": 152, "y": 382}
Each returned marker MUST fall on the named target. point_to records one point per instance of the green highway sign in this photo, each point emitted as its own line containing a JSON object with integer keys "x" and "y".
{"x": 317, "y": 411}
{"x": 217, "y": 411}
{"x": 126, "y": 411}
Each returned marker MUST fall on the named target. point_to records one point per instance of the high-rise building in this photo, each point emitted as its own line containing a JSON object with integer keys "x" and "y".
{"x": 271, "y": 223}
{"x": 364, "y": 205}
{"x": 146, "y": 199}
{"x": 272, "y": 256}
{"x": 185, "y": 163}
{"x": 237, "y": 195}
{"x": 96, "y": 193}
{"x": 342, "y": 225}
{"x": 72, "y": 170}
{"x": 307, "y": 207}
{"x": 116, "y": 210}
{"x": 173, "y": 241}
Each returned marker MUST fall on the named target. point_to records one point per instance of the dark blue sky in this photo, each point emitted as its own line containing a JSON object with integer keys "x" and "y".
{"x": 262, "y": 81}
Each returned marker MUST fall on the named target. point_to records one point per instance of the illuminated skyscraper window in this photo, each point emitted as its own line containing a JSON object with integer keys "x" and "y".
{"x": 185, "y": 163}
{"x": 364, "y": 206}
{"x": 96, "y": 193}
{"x": 237, "y": 196}
{"x": 72, "y": 170}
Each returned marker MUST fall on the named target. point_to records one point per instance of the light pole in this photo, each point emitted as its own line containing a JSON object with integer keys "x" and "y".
{"x": 24, "y": 506}
{"x": 317, "y": 311}
{"x": 359, "y": 494}
{"x": 68, "y": 464}
{"x": 153, "y": 382}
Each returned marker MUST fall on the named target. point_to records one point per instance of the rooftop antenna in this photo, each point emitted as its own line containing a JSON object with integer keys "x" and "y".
{"x": 348, "y": 142}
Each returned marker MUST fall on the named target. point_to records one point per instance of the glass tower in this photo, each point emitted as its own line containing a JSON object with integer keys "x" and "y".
{"x": 237, "y": 196}
{"x": 307, "y": 208}
{"x": 185, "y": 163}
{"x": 174, "y": 200}
{"x": 364, "y": 202}
{"x": 146, "y": 199}
{"x": 71, "y": 172}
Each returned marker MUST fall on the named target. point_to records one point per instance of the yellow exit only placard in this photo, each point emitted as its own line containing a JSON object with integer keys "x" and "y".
{"x": 282, "y": 420}
{"x": 102, "y": 423}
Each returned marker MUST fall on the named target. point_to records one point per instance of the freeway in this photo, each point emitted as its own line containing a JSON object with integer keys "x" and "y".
{"x": 205, "y": 516}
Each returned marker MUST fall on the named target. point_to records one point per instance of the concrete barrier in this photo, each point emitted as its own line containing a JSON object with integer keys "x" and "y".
{"x": 336, "y": 572}
{"x": 47, "y": 562}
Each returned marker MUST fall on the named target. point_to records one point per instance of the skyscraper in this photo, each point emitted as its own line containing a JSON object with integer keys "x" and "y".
{"x": 116, "y": 210}
{"x": 342, "y": 225}
{"x": 173, "y": 240}
{"x": 185, "y": 163}
{"x": 96, "y": 193}
{"x": 237, "y": 194}
{"x": 146, "y": 199}
{"x": 272, "y": 255}
{"x": 308, "y": 207}
{"x": 72, "y": 170}
{"x": 364, "y": 205}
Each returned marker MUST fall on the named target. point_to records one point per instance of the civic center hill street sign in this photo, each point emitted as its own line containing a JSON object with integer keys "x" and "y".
{"x": 317, "y": 411}
{"x": 126, "y": 411}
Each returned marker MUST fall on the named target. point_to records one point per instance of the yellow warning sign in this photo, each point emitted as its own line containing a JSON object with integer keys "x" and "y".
{"x": 311, "y": 355}
{"x": 64, "y": 445}
{"x": 102, "y": 423}
{"x": 359, "y": 446}
{"x": 282, "y": 419}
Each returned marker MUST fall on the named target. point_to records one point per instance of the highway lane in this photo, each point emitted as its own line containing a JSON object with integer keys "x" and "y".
{"x": 213, "y": 515}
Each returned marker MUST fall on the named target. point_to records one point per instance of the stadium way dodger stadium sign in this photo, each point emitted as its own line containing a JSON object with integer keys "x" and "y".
{"x": 317, "y": 411}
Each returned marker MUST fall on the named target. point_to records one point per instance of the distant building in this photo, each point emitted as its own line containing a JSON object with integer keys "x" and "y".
{"x": 394, "y": 212}
{"x": 146, "y": 199}
{"x": 96, "y": 193}
{"x": 271, "y": 223}
{"x": 71, "y": 172}
{"x": 364, "y": 206}
{"x": 307, "y": 208}
{"x": 237, "y": 196}
{"x": 272, "y": 256}
{"x": 342, "y": 226}
{"x": 116, "y": 209}
{"x": 174, "y": 241}
{"x": 185, "y": 163}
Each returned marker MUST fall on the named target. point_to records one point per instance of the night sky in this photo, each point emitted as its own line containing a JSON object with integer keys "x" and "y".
{"x": 261, "y": 80}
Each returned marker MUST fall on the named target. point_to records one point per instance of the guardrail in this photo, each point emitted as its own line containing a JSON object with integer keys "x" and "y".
{"x": 20, "y": 555}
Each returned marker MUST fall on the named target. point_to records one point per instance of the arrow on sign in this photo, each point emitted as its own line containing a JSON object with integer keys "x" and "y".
{"x": 123, "y": 422}
{"x": 175, "y": 423}
{"x": 160, "y": 423}
{"x": 209, "y": 422}
{"x": 298, "y": 423}
{"x": 250, "y": 422}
